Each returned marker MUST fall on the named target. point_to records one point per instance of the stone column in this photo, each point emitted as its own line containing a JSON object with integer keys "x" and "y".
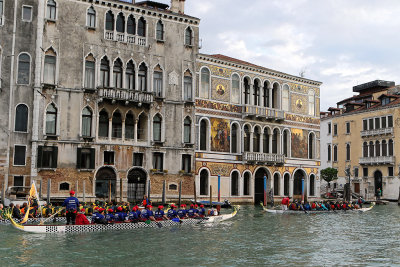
{"x": 123, "y": 130}
{"x": 251, "y": 141}
{"x": 251, "y": 100}
{"x": 270, "y": 96}
{"x": 135, "y": 130}
{"x": 109, "y": 129}
{"x": 270, "y": 143}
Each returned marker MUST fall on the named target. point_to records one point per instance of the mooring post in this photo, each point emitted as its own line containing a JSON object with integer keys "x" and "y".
{"x": 180, "y": 194}
{"x": 163, "y": 193}
{"x": 48, "y": 191}
{"x": 265, "y": 190}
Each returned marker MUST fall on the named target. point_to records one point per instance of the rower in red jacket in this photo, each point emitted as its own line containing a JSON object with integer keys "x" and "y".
{"x": 81, "y": 218}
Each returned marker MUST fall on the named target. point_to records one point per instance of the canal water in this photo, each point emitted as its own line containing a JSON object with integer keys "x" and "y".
{"x": 252, "y": 238}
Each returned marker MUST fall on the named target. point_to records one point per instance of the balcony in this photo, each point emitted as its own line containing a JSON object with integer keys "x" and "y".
{"x": 263, "y": 112}
{"x": 263, "y": 158}
{"x": 122, "y": 37}
{"x": 125, "y": 95}
{"x": 378, "y": 160}
{"x": 109, "y": 35}
{"x": 376, "y": 132}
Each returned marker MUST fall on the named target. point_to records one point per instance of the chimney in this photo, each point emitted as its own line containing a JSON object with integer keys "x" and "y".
{"x": 178, "y": 6}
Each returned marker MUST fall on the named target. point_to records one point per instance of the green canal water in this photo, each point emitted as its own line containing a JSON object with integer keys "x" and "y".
{"x": 252, "y": 238}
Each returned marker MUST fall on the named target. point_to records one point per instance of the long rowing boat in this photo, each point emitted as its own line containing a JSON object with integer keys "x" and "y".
{"x": 119, "y": 226}
{"x": 315, "y": 211}
{"x": 38, "y": 220}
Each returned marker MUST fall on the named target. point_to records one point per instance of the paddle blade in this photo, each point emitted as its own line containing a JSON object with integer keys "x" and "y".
{"x": 175, "y": 220}
{"x": 148, "y": 222}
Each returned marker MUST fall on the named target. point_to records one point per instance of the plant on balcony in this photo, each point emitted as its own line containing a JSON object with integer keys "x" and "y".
{"x": 329, "y": 175}
{"x": 165, "y": 171}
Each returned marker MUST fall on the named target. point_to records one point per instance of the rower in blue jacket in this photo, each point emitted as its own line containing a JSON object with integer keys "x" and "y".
{"x": 182, "y": 212}
{"x": 172, "y": 212}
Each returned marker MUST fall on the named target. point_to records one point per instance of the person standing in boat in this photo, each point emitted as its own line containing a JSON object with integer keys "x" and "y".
{"x": 285, "y": 203}
{"x": 146, "y": 201}
{"x": 71, "y": 205}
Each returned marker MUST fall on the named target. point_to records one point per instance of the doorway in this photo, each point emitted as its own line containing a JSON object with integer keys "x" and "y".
{"x": 259, "y": 185}
{"x": 378, "y": 181}
{"x": 105, "y": 183}
{"x": 136, "y": 185}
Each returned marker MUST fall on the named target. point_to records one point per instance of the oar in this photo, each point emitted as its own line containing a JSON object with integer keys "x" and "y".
{"x": 42, "y": 222}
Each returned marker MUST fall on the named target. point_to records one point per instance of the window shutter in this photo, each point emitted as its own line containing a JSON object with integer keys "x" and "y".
{"x": 55, "y": 157}
{"x": 78, "y": 157}
{"x": 92, "y": 158}
{"x": 39, "y": 156}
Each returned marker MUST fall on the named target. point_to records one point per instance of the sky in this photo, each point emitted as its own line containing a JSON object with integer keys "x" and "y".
{"x": 341, "y": 43}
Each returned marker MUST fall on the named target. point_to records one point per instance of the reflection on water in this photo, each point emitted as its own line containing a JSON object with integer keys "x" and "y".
{"x": 251, "y": 238}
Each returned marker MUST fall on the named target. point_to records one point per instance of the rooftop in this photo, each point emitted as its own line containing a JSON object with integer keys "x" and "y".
{"x": 373, "y": 85}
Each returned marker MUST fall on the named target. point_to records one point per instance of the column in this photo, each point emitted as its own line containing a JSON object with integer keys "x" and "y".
{"x": 135, "y": 130}
{"x": 123, "y": 130}
{"x": 109, "y": 129}
{"x": 270, "y": 96}
{"x": 270, "y": 143}
{"x": 251, "y": 142}
{"x": 251, "y": 100}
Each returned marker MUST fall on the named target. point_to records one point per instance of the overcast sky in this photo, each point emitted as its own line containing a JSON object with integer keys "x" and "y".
{"x": 341, "y": 43}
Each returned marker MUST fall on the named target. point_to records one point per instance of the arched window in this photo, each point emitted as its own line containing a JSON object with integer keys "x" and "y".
{"x": 266, "y": 94}
{"x": 157, "y": 128}
{"x": 160, "y": 31}
{"x": 116, "y": 125}
{"x": 105, "y": 72}
{"x": 142, "y": 78}
{"x": 142, "y": 127}
{"x": 348, "y": 152}
{"x": 21, "y": 118}
{"x": 276, "y": 184}
{"x": 246, "y": 92}
{"x": 49, "y": 72}
{"x": 64, "y": 187}
{"x": 109, "y": 21}
{"x": 266, "y": 141}
{"x": 391, "y": 147}
{"x": 205, "y": 83}
{"x": 330, "y": 153}
{"x": 235, "y": 184}
{"x": 1, "y": 12}
{"x": 103, "y": 123}
{"x": 235, "y": 89}
{"x": 275, "y": 142}
{"x": 377, "y": 149}
{"x": 86, "y": 122}
{"x": 130, "y": 76}
{"x": 24, "y": 65}
{"x": 311, "y": 103}
{"x": 246, "y": 184}
{"x": 158, "y": 81}
{"x": 51, "y": 119}
{"x": 131, "y": 25}
{"x": 275, "y": 96}
{"x": 203, "y": 135}
{"x": 129, "y": 126}
{"x": 365, "y": 150}
{"x": 246, "y": 138}
{"x": 187, "y": 129}
{"x": 203, "y": 183}
{"x": 51, "y": 10}
{"x": 312, "y": 185}
{"x": 142, "y": 27}
{"x": 256, "y": 93}
{"x": 285, "y": 98}
{"x": 120, "y": 23}
{"x": 188, "y": 36}
{"x": 91, "y": 17}
{"x": 234, "y": 138}
{"x": 256, "y": 140}
{"x": 117, "y": 73}
{"x": 335, "y": 159}
{"x": 90, "y": 72}
{"x": 187, "y": 86}
{"x": 372, "y": 148}
{"x": 286, "y": 143}
{"x": 384, "y": 148}
{"x": 286, "y": 180}
{"x": 311, "y": 146}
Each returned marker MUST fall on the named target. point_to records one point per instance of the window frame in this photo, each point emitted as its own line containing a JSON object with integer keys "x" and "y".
{"x": 348, "y": 127}
{"x": 158, "y": 156}
{"x": 2, "y": 12}
{"x": 49, "y": 17}
{"x": 187, "y": 130}
{"x": 55, "y": 114}
{"x": 187, "y": 88}
{"x": 19, "y": 176}
{"x": 83, "y": 116}
{"x": 190, "y": 43}
{"x": 110, "y": 161}
{"x": 159, "y": 131}
{"x": 29, "y": 70}
{"x": 186, "y": 162}
{"x": 27, "y": 118}
{"x": 89, "y": 18}
{"x": 47, "y": 62}
{"x": 14, "y": 155}
{"x": 89, "y": 70}
{"x": 53, "y": 152}
{"x": 160, "y": 31}
{"x": 202, "y": 92}
{"x": 158, "y": 80}
{"x": 22, "y": 13}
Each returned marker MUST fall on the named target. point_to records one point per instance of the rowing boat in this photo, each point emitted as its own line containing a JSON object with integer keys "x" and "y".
{"x": 224, "y": 204}
{"x": 120, "y": 226}
{"x": 38, "y": 220}
{"x": 315, "y": 211}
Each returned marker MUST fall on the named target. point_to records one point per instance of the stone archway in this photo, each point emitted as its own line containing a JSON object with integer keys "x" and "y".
{"x": 378, "y": 181}
{"x": 106, "y": 180}
{"x": 298, "y": 188}
{"x": 136, "y": 185}
{"x": 259, "y": 185}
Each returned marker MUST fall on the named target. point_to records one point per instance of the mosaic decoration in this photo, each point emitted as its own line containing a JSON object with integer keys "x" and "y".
{"x": 218, "y": 106}
{"x": 220, "y": 130}
{"x": 303, "y": 119}
{"x": 303, "y": 88}
{"x": 299, "y": 104}
{"x": 218, "y": 71}
{"x": 222, "y": 169}
{"x": 299, "y": 143}
{"x": 220, "y": 89}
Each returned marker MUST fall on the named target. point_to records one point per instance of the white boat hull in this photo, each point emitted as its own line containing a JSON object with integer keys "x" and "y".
{"x": 314, "y": 211}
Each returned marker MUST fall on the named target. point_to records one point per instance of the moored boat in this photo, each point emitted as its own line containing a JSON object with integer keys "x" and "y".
{"x": 315, "y": 211}
{"x": 225, "y": 204}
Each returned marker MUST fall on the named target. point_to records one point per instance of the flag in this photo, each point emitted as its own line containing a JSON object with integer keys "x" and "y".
{"x": 32, "y": 195}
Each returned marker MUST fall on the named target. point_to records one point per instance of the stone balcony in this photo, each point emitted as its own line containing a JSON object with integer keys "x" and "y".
{"x": 125, "y": 38}
{"x": 378, "y": 160}
{"x": 263, "y": 112}
{"x": 264, "y": 158}
{"x": 126, "y": 95}
{"x": 376, "y": 132}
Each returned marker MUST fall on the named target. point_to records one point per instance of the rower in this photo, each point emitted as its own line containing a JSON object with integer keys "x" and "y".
{"x": 192, "y": 212}
{"x": 202, "y": 211}
{"x": 71, "y": 205}
{"x": 110, "y": 215}
{"x": 147, "y": 214}
{"x": 172, "y": 212}
{"x": 182, "y": 213}
{"x": 120, "y": 215}
{"x": 81, "y": 218}
{"x": 159, "y": 214}
{"x": 134, "y": 215}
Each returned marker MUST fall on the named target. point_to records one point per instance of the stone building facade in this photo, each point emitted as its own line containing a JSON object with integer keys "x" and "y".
{"x": 363, "y": 138}
{"x": 250, "y": 122}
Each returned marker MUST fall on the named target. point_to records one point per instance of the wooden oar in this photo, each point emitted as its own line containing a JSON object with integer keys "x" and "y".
{"x": 43, "y": 221}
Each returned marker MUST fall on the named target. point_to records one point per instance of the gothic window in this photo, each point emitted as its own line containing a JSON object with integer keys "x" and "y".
{"x": 266, "y": 141}
{"x": 187, "y": 129}
{"x": 246, "y": 184}
{"x": 49, "y": 72}
{"x": 187, "y": 86}
{"x": 275, "y": 95}
{"x": 91, "y": 17}
{"x": 234, "y": 138}
{"x": 158, "y": 81}
{"x": 256, "y": 140}
{"x": 235, "y": 89}
{"x": 246, "y": 138}
{"x": 109, "y": 21}
{"x": 120, "y": 23}
{"x": 86, "y": 122}
{"x": 129, "y": 126}
{"x": 203, "y": 183}
{"x": 21, "y": 118}
{"x": 142, "y": 27}
{"x": 311, "y": 146}
{"x": 51, "y": 119}
{"x": 286, "y": 143}
{"x": 203, "y": 135}
{"x": 188, "y": 36}
{"x": 103, "y": 124}
{"x": 142, "y": 77}
{"x": 365, "y": 150}
{"x": 105, "y": 72}
{"x": 372, "y": 148}
{"x": 256, "y": 93}
{"x": 205, "y": 83}
{"x": 130, "y": 76}
{"x": 142, "y": 127}
{"x": 266, "y": 94}
{"x": 286, "y": 180}
{"x": 117, "y": 125}
{"x": 246, "y": 86}
{"x": 90, "y": 72}
{"x": 160, "y": 31}
{"x": 275, "y": 142}
{"x": 131, "y": 25}
{"x": 117, "y": 73}
{"x": 24, "y": 63}
{"x": 1, "y": 12}
{"x": 390, "y": 147}
{"x": 285, "y": 98}
{"x": 157, "y": 128}
{"x": 276, "y": 184}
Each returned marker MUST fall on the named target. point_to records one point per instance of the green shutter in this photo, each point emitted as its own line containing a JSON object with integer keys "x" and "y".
{"x": 78, "y": 158}
{"x": 92, "y": 158}
{"x": 39, "y": 156}
{"x": 55, "y": 157}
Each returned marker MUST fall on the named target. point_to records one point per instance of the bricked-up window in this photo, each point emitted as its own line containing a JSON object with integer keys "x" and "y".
{"x": 390, "y": 121}
{"x": 160, "y": 31}
{"x": 108, "y": 157}
{"x": 187, "y": 86}
{"x": 21, "y": 118}
{"x": 131, "y": 26}
{"x": 51, "y": 10}
{"x": 142, "y": 27}
{"x": 117, "y": 73}
{"x": 157, "y": 120}
{"x": 49, "y": 71}
{"x": 187, "y": 129}
{"x": 109, "y": 21}
{"x": 347, "y": 127}
{"x": 158, "y": 161}
{"x": 19, "y": 155}
{"x": 365, "y": 125}
{"x": 47, "y": 157}
{"x": 86, "y": 158}
{"x": 235, "y": 184}
{"x": 142, "y": 76}
{"x": 365, "y": 172}
{"x": 105, "y": 72}
{"x": 91, "y": 17}
{"x": 158, "y": 82}
{"x": 187, "y": 163}
{"x": 24, "y": 66}
{"x": 117, "y": 125}
{"x": 27, "y": 13}
{"x": 189, "y": 36}
{"x": 335, "y": 129}
{"x": 130, "y": 76}
{"x": 356, "y": 172}
{"x": 18, "y": 181}
{"x": 64, "y": 187}
{"x": 90, "y": 70}
{"x": 329, "y": 128}
{"x": 51, "y": 120}
{"x": 138, "y": 159}
{"x": 204, "y": 83}
{"x": 390, "y": 171}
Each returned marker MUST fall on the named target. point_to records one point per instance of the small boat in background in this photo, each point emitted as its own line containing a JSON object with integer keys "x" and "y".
{"x": 225, "y": 204}
{"x": 315, "y": 211}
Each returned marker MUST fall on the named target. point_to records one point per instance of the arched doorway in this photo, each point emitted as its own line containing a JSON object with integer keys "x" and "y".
{"x": 105, "y": 183}
{"x": 259, "y": 185}
{"x": 297, "y": 184}
{"x": 378, "y": 181}
{"x": 136, "y": 185}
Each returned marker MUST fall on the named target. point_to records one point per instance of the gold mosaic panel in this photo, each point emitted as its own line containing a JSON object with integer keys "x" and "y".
{"x": 219, "y": 71}
{"x": 220, "y": 89}
{"x": 299, "y": 103}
